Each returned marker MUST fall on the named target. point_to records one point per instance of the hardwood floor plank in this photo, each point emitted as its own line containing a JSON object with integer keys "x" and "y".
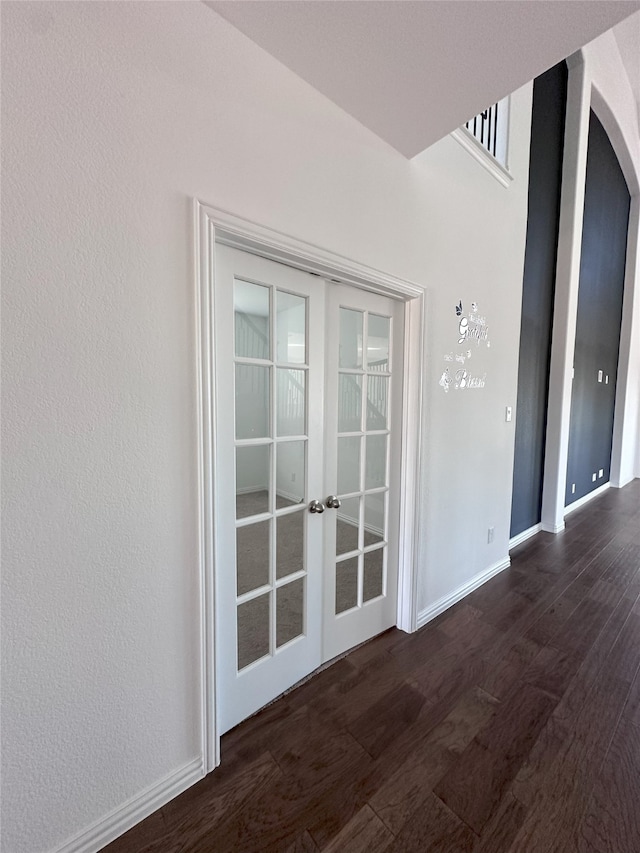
{"x": 554, "y": 671}
{"x": 475, "y": 785}
{"x": 631, "y": 711}
{"x": 404, "y": 791}
{"x": 383, "y": 723}
{"x": 457, "y": 624}
{"x": 561, "y": 795}
{"x": 500, "y": 678}
{"x": 503, "y": 826}
{"x": 408, "y": 654}
{"x": 612, "y": 817}
{"x": 312, "y": 794}
{"x": 303, "y": 844}
{"x": 365, "y": 833}
{"x": 434, "y": 829}
{"x": 341, "y": 672}
{"x": 352, "y": 697}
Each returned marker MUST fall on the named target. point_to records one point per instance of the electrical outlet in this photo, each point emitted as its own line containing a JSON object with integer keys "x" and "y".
{"x": 601, "y": 473}
{"x": 599, "y": 376}
{"x": 573, "y": 488}
{"x": 508, "y": 414}
{"x": 593, "y": 478}
{"x": 490, "y": 535}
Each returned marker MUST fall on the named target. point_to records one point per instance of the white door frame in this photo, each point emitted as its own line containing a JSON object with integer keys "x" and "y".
{"x": 218, "y": 226}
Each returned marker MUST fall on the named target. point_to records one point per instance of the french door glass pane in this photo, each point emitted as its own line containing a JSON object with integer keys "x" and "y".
{"x": 374, "y": 518}
{"x": 251, "y": 309}
{"x": 290, "y": 473}
{"x": 346, "y": 584}
{"x": 378, "y": 343}
{"x": 349, "y": 403}
{"x": 252, "y": 479}
{"x": 351, "y": 332}
{"x": 289, "y": 611}
{"x": 347, "y": 526}
{"x": 291, "y": 323}
{"x": 289, "y": 544}
{"x": 291, "y": 402}
{"x": 252, "y": 401}
{"x": 376, "y": 461}
{"x": 252, "y": 556}
{"x": 253, "y": 630}
{"x": 377, "y": 401}
{"x": 373, "y": 574}
{"x": 348, "y": 464}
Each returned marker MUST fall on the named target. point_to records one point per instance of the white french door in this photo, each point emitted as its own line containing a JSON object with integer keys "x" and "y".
{"x": 363, "y": 363}
{"x": 308, "y": 381}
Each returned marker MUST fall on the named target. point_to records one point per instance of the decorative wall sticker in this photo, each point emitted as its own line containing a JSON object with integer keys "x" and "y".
{"x": 465, "y": 380}
{"x": 445, "y": 380}
{"x": 472, "y": 329}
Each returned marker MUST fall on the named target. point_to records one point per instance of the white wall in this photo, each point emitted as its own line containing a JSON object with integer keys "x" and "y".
{"x": 115, "y": 116}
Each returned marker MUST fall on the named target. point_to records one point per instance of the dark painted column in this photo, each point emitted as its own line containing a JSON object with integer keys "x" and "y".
{"x": 545, "y": 179}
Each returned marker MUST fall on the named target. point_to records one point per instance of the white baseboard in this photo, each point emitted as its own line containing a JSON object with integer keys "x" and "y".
{"x": 249, "y": 490}
{"x": 113, "y": 825}
{"x": 616, "y": 483}
{"x": 526, "y": 534}
{"x": 585, "y": 500}
{"x": 552, "y": 528}
{"x": 289, "y": 496}
{"x": 452, "y": 598}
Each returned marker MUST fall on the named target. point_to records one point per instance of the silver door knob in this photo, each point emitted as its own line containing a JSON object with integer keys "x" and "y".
{"x": 333, "y": 502}
{"x": 316, "y": 506}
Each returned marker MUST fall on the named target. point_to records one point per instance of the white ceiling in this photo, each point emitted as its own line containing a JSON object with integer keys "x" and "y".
{"x": 414, "y": 70}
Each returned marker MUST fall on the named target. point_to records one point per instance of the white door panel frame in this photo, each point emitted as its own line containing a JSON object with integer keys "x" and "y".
{"x": 217, "y": 226}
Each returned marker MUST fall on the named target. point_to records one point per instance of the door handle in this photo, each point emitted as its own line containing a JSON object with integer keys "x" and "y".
{"x": 316, "y": 506}
{"x": 333, "y": 502}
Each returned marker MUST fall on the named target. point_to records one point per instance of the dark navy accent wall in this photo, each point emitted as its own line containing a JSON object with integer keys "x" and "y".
{"x": 602, "y": 266}
{"x": 545, "y": 179}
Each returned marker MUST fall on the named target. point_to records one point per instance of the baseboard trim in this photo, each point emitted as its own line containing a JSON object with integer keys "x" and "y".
{"x": 452, "y": 598}
{"x": 249, "y": 490}
{"x": 526, "y": 534}
{"x": 620, "y": 484}
{"x": 289, "y": 496}
{"x": 552, "y": 528}
{"x": 586, "y": 498}
{"x": 113, "y": 825}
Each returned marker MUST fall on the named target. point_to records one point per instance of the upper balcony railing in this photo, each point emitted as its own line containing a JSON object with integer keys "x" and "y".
{"x": 490, "y": 129}
{"x": 484, "y": 127}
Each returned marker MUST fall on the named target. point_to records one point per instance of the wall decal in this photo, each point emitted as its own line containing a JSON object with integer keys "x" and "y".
{"x": 472, "y": 329}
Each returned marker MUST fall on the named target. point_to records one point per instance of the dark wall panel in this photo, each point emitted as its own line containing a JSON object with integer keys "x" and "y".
{"x": 545, "y": 177}
{"x": 602, "y": 265}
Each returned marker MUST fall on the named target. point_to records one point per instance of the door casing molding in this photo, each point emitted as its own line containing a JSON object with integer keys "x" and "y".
{"x": 212, "y": 226}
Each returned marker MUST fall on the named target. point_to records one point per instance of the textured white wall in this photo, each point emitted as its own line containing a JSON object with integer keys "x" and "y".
{"x": 114, "y": 117}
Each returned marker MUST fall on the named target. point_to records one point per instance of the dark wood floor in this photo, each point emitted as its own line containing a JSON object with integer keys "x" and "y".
{"x": 511, "y": 724}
